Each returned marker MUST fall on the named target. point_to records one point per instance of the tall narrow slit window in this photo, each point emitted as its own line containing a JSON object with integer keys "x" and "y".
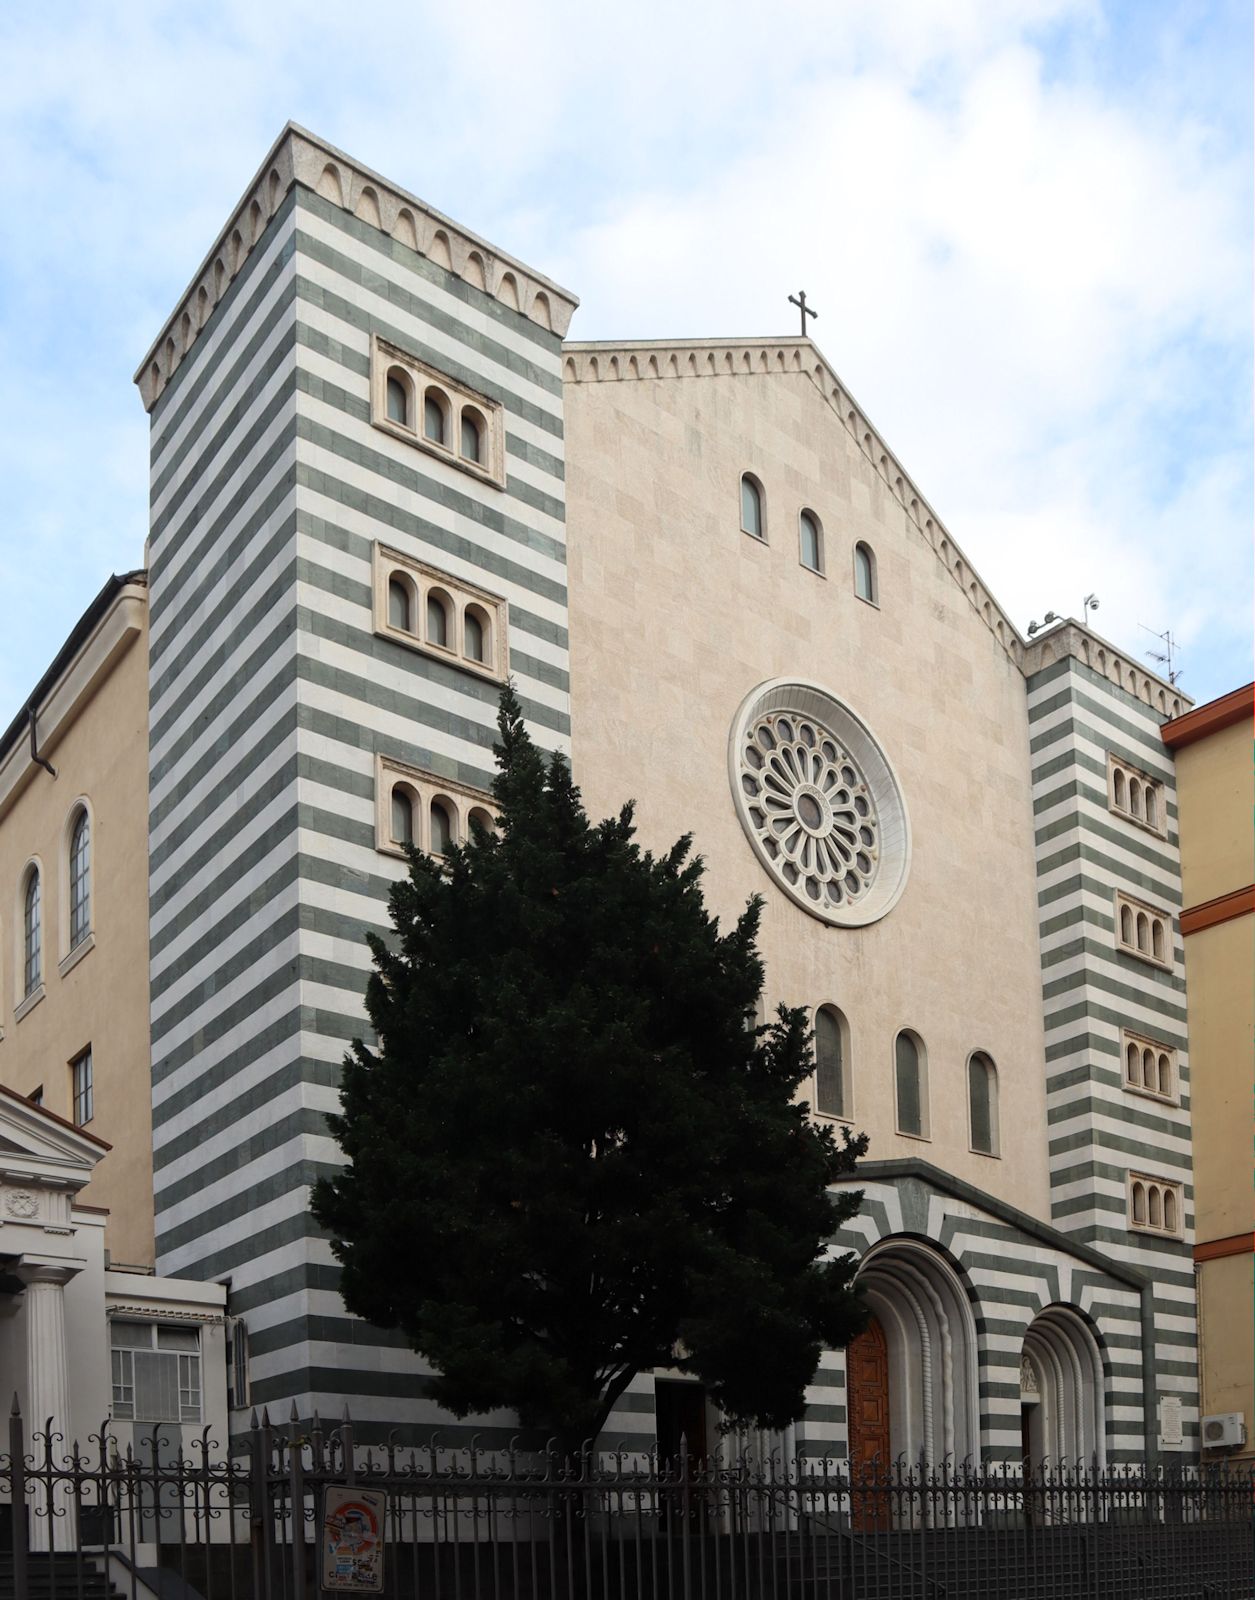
{"x": 982, "y": 1097}
{"x": 752, "y": 507}
{"x": 865, "y": 586}
{"x": 83, "y": 1087}
{"x": 831, "y": 1091}
{"x": 32, "y": 935}
{"x": 911, "y": 1087}
{"x": 812, "y": 541}
{"x": 80, "y": 880}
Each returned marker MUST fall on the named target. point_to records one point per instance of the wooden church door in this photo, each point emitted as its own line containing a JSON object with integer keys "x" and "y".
{"x": 867, "y": 1413}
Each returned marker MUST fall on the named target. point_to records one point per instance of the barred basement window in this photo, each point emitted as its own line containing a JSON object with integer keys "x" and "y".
{"x": 1149, "y": 1067}
{"x": 1143, "y": 931}
{"x": 1136, "y": 796}
{"x": 460, "y": 622}
{"x": 428, "y": 409}
{"x": 1155, "y": 1205}
{"x": 156, "y": 1372}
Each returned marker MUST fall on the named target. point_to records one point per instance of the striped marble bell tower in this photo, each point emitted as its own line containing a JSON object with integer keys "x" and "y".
{"x": 357, "y": 529}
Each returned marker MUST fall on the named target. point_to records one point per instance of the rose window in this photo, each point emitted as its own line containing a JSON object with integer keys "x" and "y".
{"x": 819, "y": 803}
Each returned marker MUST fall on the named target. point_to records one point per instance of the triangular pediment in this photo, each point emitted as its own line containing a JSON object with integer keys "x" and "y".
{"x": 35, "y": 1142}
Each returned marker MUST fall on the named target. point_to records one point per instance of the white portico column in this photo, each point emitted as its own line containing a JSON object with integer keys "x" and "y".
{"x": 48, "y": 1395}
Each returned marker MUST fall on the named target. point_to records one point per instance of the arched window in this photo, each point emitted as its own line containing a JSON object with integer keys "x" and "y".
{"x": 1165, "y": 1073}
{"x": 472, "y": 435}
{"x": 865, "y": 573}
{"x": 831, "y": 1096}
{"x": 434, "y": 417}
{"x": 479, "y": 818}
{"x": 32, "y": 936}
{"x": 1135, "y": 798}
{"x": 1132, "y": 1064}
{"x": 437, "y": 619}
{"x": 400, "y": 606}
{"x": 1119, "y": 790}
{"x": 398, "y": 398}
{"x": 1149, "y": 1076}
{"x": 441, "y": 828}
{"x": 1154, "y": 1206}
{"x": 812, "y": 541}
{"x": 982, "y": 1094}
{"x": 751, "y": 506}
{"x": 912, "y": 1096}
{"x": 475, "y": 634}
{"x": 1139, "y": 1203}
{"x": 1157, "y": 940}
{"x": 1169, "y": 1211}
{"x": 1143, "y": 931}
{"x": 1126, "y": 926}
{"x": 80, "y": 881}
{"x": 1152, "y": 807}
{"x": 402, "y": 823}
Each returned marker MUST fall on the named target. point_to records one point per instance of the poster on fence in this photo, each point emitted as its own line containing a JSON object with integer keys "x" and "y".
{"x": 353, "y": 1539}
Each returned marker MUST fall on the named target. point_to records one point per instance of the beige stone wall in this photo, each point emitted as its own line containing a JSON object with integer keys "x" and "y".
{"x": 1215, "y": 793}
{"x": 676, "y": 615}
{"x": 95, "y": 733}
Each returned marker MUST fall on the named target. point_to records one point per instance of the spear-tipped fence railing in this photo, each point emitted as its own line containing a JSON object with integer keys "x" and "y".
{"x": 247, "y": 1522}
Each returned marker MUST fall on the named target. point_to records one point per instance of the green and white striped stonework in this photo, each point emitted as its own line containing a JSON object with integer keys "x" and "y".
{"x": 1098, "y": 1129}
{"x": 271, "y": 696}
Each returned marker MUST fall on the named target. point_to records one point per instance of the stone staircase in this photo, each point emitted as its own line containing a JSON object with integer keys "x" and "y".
{"x": 57, "y": 1577}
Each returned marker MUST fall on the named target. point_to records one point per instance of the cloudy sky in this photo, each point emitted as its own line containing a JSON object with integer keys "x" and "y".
{"x": 1026, "y": 225}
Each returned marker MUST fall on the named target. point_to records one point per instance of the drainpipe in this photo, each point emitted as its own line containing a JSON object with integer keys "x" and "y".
{"x": 35, "y": 755}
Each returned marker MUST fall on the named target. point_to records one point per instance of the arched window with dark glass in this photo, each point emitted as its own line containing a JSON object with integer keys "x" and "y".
{"x": 80, "y": 880}
{"x": 812, "y": 541}
{"x": 831, "y": 1092}
{"x": 441, "y": 828}
{"x": 865, "y": 573}
{"x": 752, "y": 506}
{"x": 400, "y": 605}
{"x": 472, "y": 435}
{"x": 402, "y": 820}
{"x": 32, "y": 935}
{"x": 912, "y": 1099}
{"x": 982, "y": 1097}
{"x": 475, "y": 634}
{"x": 437, "y": 619}
{"x": 398, "y": 398}
{"x": 434, "y": 427}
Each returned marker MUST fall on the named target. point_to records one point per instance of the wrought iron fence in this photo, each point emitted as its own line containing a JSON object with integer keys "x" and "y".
{"x": 289, "y": 1511}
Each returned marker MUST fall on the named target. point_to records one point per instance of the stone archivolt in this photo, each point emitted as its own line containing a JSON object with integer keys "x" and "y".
{"x": 300, "y": 157}
{"x": 589, "y": 362}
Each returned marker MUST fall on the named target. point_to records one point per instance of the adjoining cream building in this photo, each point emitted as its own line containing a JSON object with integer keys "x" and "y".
{"x": 381, "y": 481}
{"x": 1211, "y": 749}
{"x": 87, "y": 1330}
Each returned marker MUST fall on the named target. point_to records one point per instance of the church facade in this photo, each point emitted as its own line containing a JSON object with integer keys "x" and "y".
{"x": 381, "y": 483}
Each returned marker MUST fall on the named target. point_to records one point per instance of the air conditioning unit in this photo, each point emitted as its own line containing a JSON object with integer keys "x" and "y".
{"x": 1224, "y": 1432}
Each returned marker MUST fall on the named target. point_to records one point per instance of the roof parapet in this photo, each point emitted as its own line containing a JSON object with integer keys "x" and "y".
{"x": 298, "y": 156}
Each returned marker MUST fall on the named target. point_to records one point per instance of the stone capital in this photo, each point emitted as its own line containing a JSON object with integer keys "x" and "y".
{"x": 57, "y": 1273}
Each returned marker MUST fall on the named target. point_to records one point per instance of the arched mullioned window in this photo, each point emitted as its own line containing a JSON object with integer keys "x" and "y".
{"x": 400, "y": 605}
{"x": 832, "y": 1096}
{"x": 911, "y": 1085}
{"x": 752, "y": 520}
{"x": 438, "y": 619}
{"x": 441, "y": 828}
{"x": 398, "y": 399}
{"x": 865, "y": 585}
{"x": 475, "y": 634}
{"x": 472, "y": 435}
{"x": 435, "y": 425}
{"x": 32, "y": 935}
{"x": 982, "y": 1094}
{"x": 402, "y": 819}
{"x": 80, "y": 880}
{"x": 811, "y": 538}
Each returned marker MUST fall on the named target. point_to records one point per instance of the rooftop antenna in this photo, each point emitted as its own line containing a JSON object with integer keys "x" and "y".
{"x": 1090, "y": 603}
{"x": 1167, "y": 656}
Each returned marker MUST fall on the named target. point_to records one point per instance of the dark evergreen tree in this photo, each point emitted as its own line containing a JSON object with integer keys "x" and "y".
{"x": 572, "y": 1155}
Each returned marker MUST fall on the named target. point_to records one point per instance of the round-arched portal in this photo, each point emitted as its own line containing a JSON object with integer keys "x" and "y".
{"x": 920, "y": 1304}
{"x": 1062, "y": 1390}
